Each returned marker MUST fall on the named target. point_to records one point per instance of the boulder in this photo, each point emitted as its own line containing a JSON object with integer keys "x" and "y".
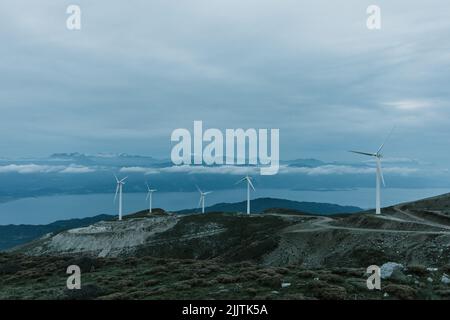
{"x": 388, "y": 269}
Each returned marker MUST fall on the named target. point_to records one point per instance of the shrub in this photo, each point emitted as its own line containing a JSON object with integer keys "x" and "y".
{"x": 87, "y": 292}
{"x": 86, "y": 264}
{"x": 249, "y": 275}
{"x": 9, "y": 268}
{"x": 151, "y": 283}
{"x": 272, "y": 281}
{"x": 322, "y": 290}
{"x": 225, "y": 278}
{"x": 332, "y": 278}
{"x": 331, "y": 293}
{"x": 418, "y": 270}
{"x": 307, "y": 274}
{"x": 182, "y": 285}
{"x": 400, "y": 291}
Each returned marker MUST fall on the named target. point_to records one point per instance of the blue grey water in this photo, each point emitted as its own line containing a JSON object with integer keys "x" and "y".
{"x": 42, "y": 210}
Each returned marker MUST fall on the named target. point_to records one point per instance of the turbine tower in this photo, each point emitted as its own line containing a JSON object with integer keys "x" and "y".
{"x": 120, "y": 184}
{"x": 379, "y": 175}
{"x": 202, "y": 198}
{"x": 248, "y": 179}
{"x": 150, "y": 197}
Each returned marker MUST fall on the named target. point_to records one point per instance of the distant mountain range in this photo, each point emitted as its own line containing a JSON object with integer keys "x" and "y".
{"x": 14, "y": 235}
{"x": 262, "y": 204}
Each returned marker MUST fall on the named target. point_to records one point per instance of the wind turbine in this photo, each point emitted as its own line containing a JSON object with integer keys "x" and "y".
{"x": 379, "y": 175}
{"x": 149, "y": 197}
{"x": 120, "y": 184}
{"x": 202, "y": 198}
{"x": 249, "y": 184}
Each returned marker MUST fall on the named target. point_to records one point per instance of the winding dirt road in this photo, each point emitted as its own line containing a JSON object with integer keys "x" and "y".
{"x": 324, "y": 223}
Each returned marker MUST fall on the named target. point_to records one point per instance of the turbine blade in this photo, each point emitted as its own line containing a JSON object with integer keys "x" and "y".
{"x": 208, "y": 192}
{"x": 117, "y": 179}
{"x": 148, "y": 195}
{"x": 200, "y": 202}
{"x": 117, "y": 190}
{"x": 148, "y": 187}
{"x": 380, "y": 171}
{"x": 123, "y": 179}
{"x": 386, "y": 140}
{"x": 243, "y": 179}
{"x": 198, "y": 188}
{"x": 364, "y": 153}
{"x": 250, "y": 183}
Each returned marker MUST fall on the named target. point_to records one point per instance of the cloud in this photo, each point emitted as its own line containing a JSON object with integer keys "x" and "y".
{"x": 28, "y": 168}
{"x": 144, "y": 170}
{"x": 35, "y": 168}
{"x": 77, "y": 170}
{"x": 344, "y": 169}
{"x": 242, "y": 170}
{"x": 411, "y": 105}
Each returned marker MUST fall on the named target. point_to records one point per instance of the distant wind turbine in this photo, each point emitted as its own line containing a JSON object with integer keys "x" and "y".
{"x": 202, "y": 198}
{"x": 120, "y": 184}
{"x": 248, "y": 179}
{"x": 149, "y": 197}
{"x": 379, "y": 175}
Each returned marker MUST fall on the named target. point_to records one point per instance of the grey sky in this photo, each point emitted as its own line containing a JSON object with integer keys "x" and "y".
{"x": 139, "y": 69}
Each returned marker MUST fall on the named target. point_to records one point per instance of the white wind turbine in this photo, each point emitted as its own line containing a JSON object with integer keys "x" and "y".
{"x": 202, "y": 198}
{"x": 120, "y": 184}
{"x": 379, "y": 175}
{"x": 149, "y": 197}
{"x": 249, "y": 184}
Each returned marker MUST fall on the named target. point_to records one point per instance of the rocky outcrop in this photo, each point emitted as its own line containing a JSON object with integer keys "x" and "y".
{"x": 106, "y": 238}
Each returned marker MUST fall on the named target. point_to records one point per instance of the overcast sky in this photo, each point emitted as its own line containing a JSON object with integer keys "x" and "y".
{"x": 139, "y": 69}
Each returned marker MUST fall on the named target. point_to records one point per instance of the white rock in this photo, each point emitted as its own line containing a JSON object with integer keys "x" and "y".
{"x": 429, "y": 279}
{"x": 388, "y": 268}
{"x": 445, "y": 279}
{"x": 285, "y": 285}
{"x": 432, "y": 269}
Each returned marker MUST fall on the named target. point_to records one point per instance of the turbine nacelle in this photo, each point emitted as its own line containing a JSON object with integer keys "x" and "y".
{"x": 248, "y": 179}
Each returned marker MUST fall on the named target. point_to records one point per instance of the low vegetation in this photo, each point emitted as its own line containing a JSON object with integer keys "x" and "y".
{"x": 24, "y": 277}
